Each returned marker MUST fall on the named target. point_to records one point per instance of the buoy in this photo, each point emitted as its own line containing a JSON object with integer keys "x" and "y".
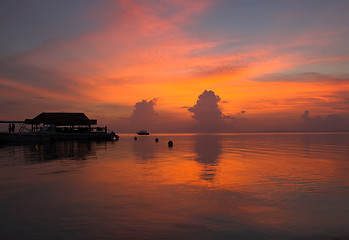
{"x": 170, "y": 143}
{"x": 135, "y": 138}
{"x": 156, "y": 139}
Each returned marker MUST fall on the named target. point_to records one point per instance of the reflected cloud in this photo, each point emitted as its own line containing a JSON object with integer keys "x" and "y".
{"x": 144, "y": 148}
{"x": 208, "y": 149}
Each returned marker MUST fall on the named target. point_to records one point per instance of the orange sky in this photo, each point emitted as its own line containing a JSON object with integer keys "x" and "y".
{"x": 103, "y": 58}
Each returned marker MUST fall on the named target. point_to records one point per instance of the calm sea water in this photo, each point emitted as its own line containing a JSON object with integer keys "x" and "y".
{"x": 237, "y": 186}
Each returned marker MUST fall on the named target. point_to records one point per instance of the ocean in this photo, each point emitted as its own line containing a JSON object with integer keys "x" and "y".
{"x": 207, "y": 186}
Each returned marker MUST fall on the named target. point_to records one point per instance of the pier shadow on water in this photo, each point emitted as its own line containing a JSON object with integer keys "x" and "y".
{"x": 19, "y": 154}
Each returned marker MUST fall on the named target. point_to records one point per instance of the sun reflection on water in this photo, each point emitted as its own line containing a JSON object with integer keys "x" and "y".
{"x": 242, "y": 186}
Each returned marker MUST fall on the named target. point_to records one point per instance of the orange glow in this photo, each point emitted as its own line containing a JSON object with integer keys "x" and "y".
{"x": 142, "y": 53}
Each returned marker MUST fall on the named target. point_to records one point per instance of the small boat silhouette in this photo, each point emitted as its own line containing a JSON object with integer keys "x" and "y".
{"x": 143, "y": 132}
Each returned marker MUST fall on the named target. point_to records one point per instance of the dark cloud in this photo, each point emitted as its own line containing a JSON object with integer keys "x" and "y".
{"x": 16, "y": 71}
{"x": 330, "y": 122}
{"x": 206, "y": 108}
{"x": 208, "y": 71}
{"x": 303, "y": 77}
{"x": 338, "y": 100}
{"x": 208, "y": 114}
{"x": 305, "y": 116}
{"x": 105, "y": 81}
{"x": 144, "y": 115}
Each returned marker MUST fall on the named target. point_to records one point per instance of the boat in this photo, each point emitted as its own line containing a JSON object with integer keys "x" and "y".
{"x": 56, "y": 126}
{"x": 143, "y": 132}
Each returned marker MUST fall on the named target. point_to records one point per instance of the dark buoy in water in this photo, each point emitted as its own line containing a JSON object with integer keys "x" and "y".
{"x": 170, "y": 144}
{"x": 135, "y": 138}
{"x": 156, "y": 139}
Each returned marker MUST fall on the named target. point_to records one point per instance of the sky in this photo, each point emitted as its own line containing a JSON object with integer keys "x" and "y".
{"x": 178, "y": 66}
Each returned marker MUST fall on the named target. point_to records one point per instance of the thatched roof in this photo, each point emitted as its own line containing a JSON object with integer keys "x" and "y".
{"x": 61, "y": 119}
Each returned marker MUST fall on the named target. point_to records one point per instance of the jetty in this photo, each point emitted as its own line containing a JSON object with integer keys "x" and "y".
{"x": 56, "y": 126}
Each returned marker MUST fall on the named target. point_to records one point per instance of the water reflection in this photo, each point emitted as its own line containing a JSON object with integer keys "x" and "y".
{"x": 208, "y": 149}
{"x": 64, "y": 150}
{"x": 261, "y": 186}
{"x": 46, "y": 152}
{"x": 144, "y": 148}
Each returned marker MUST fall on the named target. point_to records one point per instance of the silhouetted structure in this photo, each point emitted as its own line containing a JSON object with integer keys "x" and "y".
{"x": 143, "y": 132}
{"x": 58, "y": 125}
{"x": 170, "y": 143}
{"x": 62, "y": 119}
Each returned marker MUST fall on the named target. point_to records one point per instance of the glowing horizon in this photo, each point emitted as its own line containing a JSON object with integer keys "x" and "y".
{"x": 272, "y": 62}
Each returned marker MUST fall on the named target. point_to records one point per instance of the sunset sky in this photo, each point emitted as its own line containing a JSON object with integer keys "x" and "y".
{"x": 265, "y": 65}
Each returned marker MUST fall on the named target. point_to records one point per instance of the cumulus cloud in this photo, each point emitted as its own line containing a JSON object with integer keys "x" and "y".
{"x": 144, "y": 114}
{"x": 208, "y": 114}
{"x": 330, "y": 122}
{"x": 206, "y": 108}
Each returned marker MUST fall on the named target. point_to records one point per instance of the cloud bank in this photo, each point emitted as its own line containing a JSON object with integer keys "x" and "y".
{"x": 330, "y": 122}
{"x": 144, "y": 115}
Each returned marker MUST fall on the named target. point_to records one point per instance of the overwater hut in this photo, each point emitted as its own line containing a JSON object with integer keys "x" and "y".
{"x": 63, "y": 122}
{"x": 59, "y": 125}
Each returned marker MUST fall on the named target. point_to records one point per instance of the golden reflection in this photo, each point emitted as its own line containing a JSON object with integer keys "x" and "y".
{"x": 242, "y": 184}
{"x": 232, "y": 164}
{"x": 257, "y": 179}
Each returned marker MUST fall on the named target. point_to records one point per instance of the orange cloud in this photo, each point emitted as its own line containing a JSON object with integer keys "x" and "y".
{"x": 145, "y": 50}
